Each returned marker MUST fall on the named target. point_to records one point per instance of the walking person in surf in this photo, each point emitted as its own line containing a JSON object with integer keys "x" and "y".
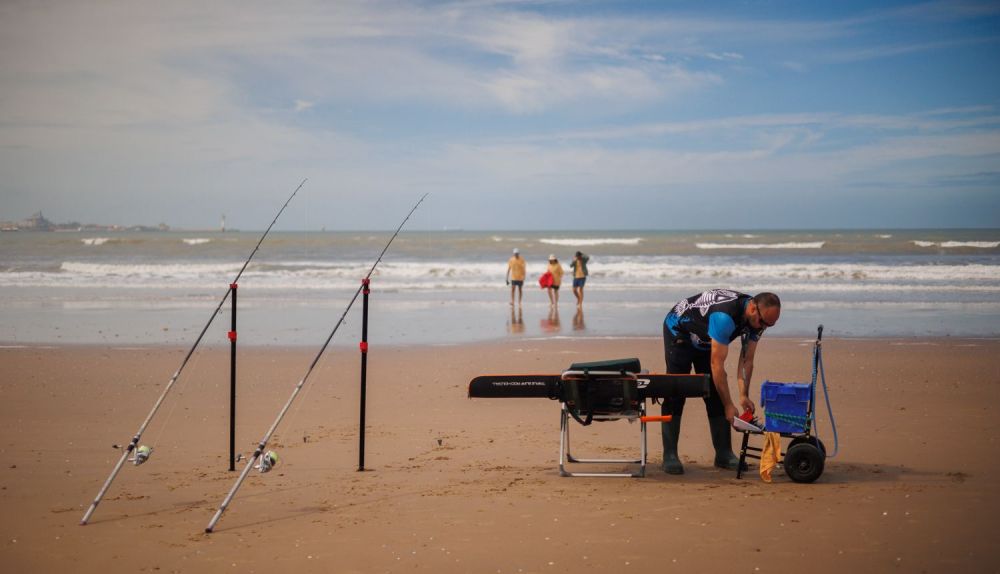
{"x": 516, "y": 271}
{"x": 556, "y": 270}
{"x": 697, "y": 333}
{"x": 579, "y": 267}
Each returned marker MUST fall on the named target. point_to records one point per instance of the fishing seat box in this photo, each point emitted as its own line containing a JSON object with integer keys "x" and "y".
{"x": 786, "y": 406}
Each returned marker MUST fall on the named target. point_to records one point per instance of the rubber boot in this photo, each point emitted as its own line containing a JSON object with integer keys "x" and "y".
{"x": 725, "y": 458}
{"x": 671, "y": 432}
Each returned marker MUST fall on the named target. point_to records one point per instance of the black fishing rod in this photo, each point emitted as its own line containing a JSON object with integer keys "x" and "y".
{"x": 142, "y": 456}
{"x": 266, "y": 464}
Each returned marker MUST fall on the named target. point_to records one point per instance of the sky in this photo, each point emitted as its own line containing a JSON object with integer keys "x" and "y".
{"x": 511, "y": 115}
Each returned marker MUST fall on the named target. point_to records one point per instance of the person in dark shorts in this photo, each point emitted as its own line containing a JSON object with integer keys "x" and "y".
{"x": 579, "y": 267}
{"x": 697, "y": 333}
{"x": 516, "y": 271}
{"x": 556, "y": 269}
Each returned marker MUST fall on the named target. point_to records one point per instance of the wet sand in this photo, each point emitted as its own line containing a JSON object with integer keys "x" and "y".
{"x": 460, "y": 485}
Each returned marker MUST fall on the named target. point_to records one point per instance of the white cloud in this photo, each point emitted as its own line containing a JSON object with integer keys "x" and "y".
{"x": 725, "y": 56}
{"x": 777, "y": 152}
{"x": 100, "y": 99}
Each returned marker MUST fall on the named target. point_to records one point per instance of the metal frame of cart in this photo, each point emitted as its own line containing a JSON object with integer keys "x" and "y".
{"x": 805, "y": 458}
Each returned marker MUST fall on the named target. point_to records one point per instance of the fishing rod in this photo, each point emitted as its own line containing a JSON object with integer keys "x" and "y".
{"x": 270, "y": 458}
{"x": 143, "y": 452}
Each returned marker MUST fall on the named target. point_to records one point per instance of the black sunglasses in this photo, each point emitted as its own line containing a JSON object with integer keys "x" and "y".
{"x": 763, "y": 323}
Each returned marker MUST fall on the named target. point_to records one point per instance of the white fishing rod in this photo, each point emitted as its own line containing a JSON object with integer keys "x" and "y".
{"x": 143, "y": 452}
{"x": 268, "y": 461}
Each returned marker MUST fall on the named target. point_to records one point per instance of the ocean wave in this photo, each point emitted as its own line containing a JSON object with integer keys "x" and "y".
{"x": 955, "y": 244}
{"x": 197, "y": 241}
{"x": 95, "y": 240}
{"x": 592, "y": 242}
{"x": 624, "y": 268}
{"x": 788, "y": 245}
{"x": 292, "y": 284}
{"x": 640, "y": 270}
{"x": 611, "y": 273}
{"x": 149, "y": 270}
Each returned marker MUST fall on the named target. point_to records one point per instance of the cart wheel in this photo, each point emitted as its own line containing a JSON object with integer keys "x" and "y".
{"x": 804, "y": 462}
{"x": 811, "y": 440}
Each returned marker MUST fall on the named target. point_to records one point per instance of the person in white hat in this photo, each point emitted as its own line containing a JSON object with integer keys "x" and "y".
{"x": 556, "y": 269}
{"x": 515, "y": 276}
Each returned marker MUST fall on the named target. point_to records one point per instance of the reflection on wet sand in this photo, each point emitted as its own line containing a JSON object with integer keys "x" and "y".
{"x": 551, "y": 324}
{"x": 515, "y": 324}
{"x": 578, "y": 324}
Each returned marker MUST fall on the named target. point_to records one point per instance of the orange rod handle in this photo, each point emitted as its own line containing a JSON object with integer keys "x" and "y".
{"x": 657, "y": 418}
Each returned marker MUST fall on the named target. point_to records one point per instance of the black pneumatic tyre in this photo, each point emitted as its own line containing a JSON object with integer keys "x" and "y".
{"x": 811, "y": 440}
{"x": 804, "y": 462}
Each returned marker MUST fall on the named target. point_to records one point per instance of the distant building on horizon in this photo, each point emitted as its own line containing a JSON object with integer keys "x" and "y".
{"x": 37, "y": 222}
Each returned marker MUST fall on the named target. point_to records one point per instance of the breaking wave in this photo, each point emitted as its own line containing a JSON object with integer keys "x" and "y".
{"x": 592, "y": 242}
{"x": 789, "y": 245}
{"x": 611, "y": 273}
{"x": 954, "y": 244}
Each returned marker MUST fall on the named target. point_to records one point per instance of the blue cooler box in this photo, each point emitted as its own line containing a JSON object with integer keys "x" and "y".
{"x": 786, "y": 406}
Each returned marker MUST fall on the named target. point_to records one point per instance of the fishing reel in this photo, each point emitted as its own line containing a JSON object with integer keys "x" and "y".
{"x": 268, "y": 460}
{"x": 141, "y": 455}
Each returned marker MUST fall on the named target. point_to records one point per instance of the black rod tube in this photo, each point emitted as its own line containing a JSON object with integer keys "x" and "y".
{"x": 364, "y": 372}
{"x": 232, "y": 383}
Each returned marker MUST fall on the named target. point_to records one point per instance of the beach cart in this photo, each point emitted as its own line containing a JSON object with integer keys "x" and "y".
{"x": 596, "y": 391}
{"x": 789, "y": 410}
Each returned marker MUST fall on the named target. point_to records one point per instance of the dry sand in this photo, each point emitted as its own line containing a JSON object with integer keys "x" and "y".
{"x": 460, "y": 485}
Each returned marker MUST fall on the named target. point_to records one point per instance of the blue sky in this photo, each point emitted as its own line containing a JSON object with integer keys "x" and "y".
{"x": 512, "y": 115}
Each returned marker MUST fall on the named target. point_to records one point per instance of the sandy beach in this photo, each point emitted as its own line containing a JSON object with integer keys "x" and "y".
{"x": 460, "y": 485}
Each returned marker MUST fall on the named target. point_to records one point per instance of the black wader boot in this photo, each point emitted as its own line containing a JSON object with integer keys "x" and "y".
{"x": 671, "y": 432}
{"x": 721, "y": 435}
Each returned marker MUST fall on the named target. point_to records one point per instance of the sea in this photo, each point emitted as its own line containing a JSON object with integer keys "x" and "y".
{"x": 447, "y": 287}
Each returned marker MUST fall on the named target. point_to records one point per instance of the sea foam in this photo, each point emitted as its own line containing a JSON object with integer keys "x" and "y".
{"x": 954, "y": 244}
{"x": 607, "y": 273}
{"x": 592, "y": 242}
{"x": 787, "y": 245}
